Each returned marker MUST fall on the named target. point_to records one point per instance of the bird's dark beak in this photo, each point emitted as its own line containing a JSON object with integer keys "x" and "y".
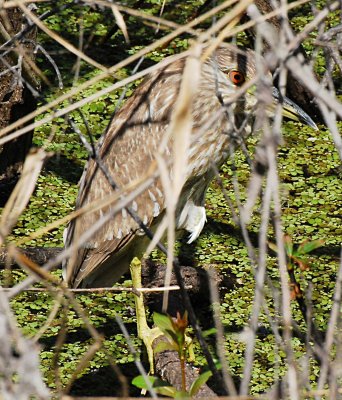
{"x": 291, "y": 110}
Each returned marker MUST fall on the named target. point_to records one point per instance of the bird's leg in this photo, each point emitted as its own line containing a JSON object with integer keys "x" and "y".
{"x": 146, "y": 334}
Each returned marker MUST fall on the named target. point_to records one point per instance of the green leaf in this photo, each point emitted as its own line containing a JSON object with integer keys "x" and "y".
{"x": 160, "y": 386}
{"x": 163, "y": 346}
{"x": 208, "y": 332}
{"x": 199, "y": 382}
{"x": 164, "y": 323}
{"x": 182, "y": 395}
{"x": 288, "y": 245}
{"x": 307, "y": 247}
{"x": 168, "y": 391}
{"x": 140, "y": 382}
{"x": 273, "y": 246}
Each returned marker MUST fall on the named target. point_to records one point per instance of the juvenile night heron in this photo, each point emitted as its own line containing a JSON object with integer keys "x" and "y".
{"x": 128, "y": 150}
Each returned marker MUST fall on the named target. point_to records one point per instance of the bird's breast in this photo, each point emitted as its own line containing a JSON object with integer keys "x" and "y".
{"x": 207, "y": 148}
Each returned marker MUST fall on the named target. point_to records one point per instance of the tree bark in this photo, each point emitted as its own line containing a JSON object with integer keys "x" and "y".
{"x": 16, "y": 100}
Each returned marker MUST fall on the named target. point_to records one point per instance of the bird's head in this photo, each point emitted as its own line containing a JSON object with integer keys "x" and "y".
{"x": 240, "y": 69}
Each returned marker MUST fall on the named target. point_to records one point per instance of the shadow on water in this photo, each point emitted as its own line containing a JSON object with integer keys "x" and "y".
{"x": 67, "y": 169}
{"x": 104, "y": 382}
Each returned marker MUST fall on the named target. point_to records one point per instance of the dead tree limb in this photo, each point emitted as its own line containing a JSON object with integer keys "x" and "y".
{"x": 16, "y": 99}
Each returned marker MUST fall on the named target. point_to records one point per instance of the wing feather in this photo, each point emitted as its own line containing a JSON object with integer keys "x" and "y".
{"x": 127, "y": 151}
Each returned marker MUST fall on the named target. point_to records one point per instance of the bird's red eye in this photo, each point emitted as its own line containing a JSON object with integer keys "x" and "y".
{"x": 237, "y": 77}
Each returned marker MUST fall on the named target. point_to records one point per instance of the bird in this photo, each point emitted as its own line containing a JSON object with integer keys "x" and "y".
{"x": 128, "y": 149}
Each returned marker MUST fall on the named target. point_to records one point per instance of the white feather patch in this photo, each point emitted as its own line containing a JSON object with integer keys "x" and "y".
{"x": 192, "y": 218}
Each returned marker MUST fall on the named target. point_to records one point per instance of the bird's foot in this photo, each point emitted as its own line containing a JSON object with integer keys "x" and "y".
{"x": 145, "y": 333}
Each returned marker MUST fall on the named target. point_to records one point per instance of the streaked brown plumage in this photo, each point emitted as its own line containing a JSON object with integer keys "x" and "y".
{"x": 129, "y": 148}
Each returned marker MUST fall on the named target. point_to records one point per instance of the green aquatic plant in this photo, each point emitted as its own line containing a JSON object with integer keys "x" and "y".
{"x": 174, "y": 330}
